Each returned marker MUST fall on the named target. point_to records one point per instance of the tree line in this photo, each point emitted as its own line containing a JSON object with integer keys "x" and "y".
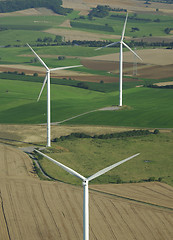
{"x": 133, "y": 133}
{"x": 16, "y": 5}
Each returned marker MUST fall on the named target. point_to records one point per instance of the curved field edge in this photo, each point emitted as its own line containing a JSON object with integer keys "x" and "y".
{"x": 88, "y": 156}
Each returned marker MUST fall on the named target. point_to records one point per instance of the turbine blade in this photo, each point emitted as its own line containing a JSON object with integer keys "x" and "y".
{"x": 101, "y": 172}
{"x": 131, "y": 50}
{"x": 124, "y": 28}
{"x": 61, "y": 68}
{"x": 41, "y": 61}
{"x": 67, "y": 169}
{"x": 111, "y": 44}
{"x": 45, "y": 80}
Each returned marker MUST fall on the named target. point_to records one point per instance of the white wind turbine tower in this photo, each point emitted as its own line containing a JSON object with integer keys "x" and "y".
{"x": 121, "y": 42}
{"x": 85, "y": 187}
{"x": 47, "y": 79}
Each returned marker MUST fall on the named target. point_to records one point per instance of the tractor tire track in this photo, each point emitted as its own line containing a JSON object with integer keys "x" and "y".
{"x": 4, "y": 215}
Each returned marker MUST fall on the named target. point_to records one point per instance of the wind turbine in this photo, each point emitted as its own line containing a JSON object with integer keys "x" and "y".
{"x": 121, "y": 42}
{"x": 47, "y": 79}
{"x": 85, "y": 186}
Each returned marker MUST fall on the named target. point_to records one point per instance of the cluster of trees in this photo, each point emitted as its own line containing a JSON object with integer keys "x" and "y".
{"x": 95, "y": 43}
{"x": 100, "y": 11}
{"x": 133, "y": 29}
{"x": 168, "y": 30}
{"x": 132, "y": 133}
{"x": 16, "y": 5}
{"x": 134, "y": 17}
{"x": 57, "y": 39}
{"x": 103, "y": 11}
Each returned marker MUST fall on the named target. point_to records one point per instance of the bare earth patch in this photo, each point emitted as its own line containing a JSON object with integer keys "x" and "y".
{"x": 29, "y": 12}
{"x": 66, "y": 24}
{"x": 71, "y": 34}
{"x": 163, "y": 83}
{"x": 40, "y": 70}
{"x": 149, "y": 56}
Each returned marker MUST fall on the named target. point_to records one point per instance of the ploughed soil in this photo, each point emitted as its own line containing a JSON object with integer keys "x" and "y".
{"x": 41, "y": 210}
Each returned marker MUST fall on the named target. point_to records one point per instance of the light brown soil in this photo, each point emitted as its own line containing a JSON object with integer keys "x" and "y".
{"x": 40, "y": 70}
{"x": 132, "y": 5}
{"x": 17, "y": 134}
{"x": 149, "y": 56}
{"x": 70, "y": 34}
{"x": 164, "y": 83}
{"x": 29, "y": 12}
{"x": 41, "y": 210}
{"x": 66, "y": 24}
{"x": 147, "y": 192}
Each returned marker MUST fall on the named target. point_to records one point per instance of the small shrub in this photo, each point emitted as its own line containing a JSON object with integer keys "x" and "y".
{"x": 156, "y": 131}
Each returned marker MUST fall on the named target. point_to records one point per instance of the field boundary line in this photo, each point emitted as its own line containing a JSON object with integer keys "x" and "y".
{"x": 131, "y": 199}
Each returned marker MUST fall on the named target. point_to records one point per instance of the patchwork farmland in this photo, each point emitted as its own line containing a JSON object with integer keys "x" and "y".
{"x": 35, "y": 209}
{"x": 139, "y": 207}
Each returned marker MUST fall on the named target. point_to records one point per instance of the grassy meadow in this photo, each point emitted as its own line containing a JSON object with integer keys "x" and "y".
{"x": 146, "y": 107}
{"x": 87, "y": 156}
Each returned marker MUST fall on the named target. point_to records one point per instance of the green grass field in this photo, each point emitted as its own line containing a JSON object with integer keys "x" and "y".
{"x": 87, "y": 156}
{"x": 147, "y": 107}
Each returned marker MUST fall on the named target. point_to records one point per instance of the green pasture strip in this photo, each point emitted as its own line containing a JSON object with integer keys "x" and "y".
{"x": 148, "y": 108}
{"x": 94, "y": 86}
{"x": 15, "y": 54}
{"x": 87, "y": 156}
{"x": 19, "y": 102}
{"x": 109, "y": 87}
{"x": 35, "y": 21}
{"x": 91, "y": 26}
{"x": 21, "y": 37}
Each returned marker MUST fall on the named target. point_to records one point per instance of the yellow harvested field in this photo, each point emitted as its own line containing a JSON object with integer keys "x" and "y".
{"x": 36, "y": 133}
{"x": 40, "y": 70}
{"x": 144, "y": 192}
{"x": 71, "y": 34}
{"x": 41, "y": 210}
{"x": 29, "y": 12}
{"x": 163, "y": 83}
{"x": 149, "y": 56}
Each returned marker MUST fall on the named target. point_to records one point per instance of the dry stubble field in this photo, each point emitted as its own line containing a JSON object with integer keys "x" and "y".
{"x": 35, "y": 209}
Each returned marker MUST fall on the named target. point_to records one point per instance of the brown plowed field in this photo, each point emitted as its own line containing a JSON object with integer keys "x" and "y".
{"x": 31, "y": 209}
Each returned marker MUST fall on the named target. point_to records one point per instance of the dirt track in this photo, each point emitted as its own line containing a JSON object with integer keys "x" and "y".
{"x": 41, "y": 210}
